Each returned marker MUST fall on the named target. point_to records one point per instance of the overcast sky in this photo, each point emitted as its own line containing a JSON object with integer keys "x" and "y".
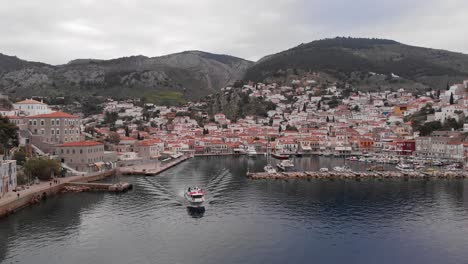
{"x": 56, "y": 31}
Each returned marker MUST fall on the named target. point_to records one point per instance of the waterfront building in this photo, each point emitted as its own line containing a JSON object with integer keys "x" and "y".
{"x": 48, "y": 130}
{"x": 8, "y": 179}
{"x": 84, "y": 156}
{"x": 32, "y": 107}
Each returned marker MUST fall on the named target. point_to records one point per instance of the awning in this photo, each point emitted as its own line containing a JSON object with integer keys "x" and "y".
{"x": 99, "y": 164}
{"x": 306, "y": 148}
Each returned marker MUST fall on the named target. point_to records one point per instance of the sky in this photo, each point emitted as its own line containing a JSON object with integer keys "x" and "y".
{"x": 57, "y": 31}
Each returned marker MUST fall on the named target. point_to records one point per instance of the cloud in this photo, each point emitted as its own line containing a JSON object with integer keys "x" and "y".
{"x": 57, "y": 31}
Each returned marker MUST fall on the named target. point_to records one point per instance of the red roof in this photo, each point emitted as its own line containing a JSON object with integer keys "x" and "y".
{"x": 87, "y": 143}
{"x": 54, "y": 115}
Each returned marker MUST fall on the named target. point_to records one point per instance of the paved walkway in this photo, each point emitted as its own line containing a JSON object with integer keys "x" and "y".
{"x": 41, "y": 187}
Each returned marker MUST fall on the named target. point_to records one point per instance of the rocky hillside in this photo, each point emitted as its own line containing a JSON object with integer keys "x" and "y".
{"x": 354, "y": 60}
{"x": 175, "y": 77}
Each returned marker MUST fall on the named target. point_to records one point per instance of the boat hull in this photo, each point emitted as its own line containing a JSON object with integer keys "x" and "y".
{"x": 279, "y": 156}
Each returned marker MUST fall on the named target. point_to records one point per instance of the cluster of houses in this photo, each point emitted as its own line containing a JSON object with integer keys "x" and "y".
{"x": 307, "y": 119}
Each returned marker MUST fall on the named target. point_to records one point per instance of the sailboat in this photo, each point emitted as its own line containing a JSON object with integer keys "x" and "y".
{"x": 269, "y": 168}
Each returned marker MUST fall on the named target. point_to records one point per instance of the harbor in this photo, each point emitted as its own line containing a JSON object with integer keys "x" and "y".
{"x": 379, "y": 175}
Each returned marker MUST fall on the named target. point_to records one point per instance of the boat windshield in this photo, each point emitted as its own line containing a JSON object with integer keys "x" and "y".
{"x": 196, "y": 196}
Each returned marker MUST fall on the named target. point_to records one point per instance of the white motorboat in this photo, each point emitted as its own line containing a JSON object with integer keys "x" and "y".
{"x": 195, "y": 196}
{"x": 342, "y": 169}
{"x": 251, "y": 152}
{"x": 323, "y": 169}
{"x": 285, "y": 165}
{"x": 405, "y": 167}
{"x": 269, "y": 169}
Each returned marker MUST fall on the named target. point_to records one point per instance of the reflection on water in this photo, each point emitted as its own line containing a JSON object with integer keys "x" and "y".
{"x": 246, "y": 221}
{"x": 196, "y": 212}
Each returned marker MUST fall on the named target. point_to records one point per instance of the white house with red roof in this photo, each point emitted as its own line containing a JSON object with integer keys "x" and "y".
{"x": 32, "y": 107}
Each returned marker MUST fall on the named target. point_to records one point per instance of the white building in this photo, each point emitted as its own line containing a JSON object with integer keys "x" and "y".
{"x": 32, "y": 107}
{"x": 7, "y": 176}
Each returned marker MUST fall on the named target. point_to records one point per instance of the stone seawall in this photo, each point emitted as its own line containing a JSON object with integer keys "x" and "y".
{"x": 37, "y": 193}
{"x": 357, "y": 175}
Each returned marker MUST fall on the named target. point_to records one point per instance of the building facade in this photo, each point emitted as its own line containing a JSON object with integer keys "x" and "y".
{"x": 32, "y": 107}
{"x": 84, "y": 156}
{"x": 8, "y": 179}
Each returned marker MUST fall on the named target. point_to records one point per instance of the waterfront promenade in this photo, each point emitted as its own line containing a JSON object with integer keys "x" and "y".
{"x": 16, "y": 200}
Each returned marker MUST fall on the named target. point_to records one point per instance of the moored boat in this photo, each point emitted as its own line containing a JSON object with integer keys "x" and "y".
{"x": 269, "y": 169}
{"x": 285, "y": 165}
{"x": 280, "y": 156}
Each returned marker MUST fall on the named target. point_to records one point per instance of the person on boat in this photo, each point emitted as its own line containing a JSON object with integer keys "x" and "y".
{"x": 189, "y": 189}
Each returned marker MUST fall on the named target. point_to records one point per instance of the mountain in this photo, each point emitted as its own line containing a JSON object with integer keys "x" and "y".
{"x": 174, "y": 77}
{"x": 355, "y": 60}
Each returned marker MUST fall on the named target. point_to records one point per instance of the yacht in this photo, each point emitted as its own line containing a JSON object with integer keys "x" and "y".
{"x": 195, "y": 196}
{"x": 285, "y": 165}
{"x": 342, "y": 169}
{"x": 251, "y": 152}
{"x": 269, "y": 169}
{"x": 405, "y": 167}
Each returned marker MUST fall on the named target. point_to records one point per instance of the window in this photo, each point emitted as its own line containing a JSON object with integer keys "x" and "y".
{"x": 53, "y": 122}
{"x": 42, "y": 122}
{"x": 61, "y": 151}
{"x": 57, "y": 122}
{"x": 35, "y": 122}
{"x": 30, "y": 122}
{"x": 73, "y": 151}
{"x": 52, "y": 131}
{"x": 58, "y": 131}
{"x": 68, "y": 151}
{"x": 81, "y": 151}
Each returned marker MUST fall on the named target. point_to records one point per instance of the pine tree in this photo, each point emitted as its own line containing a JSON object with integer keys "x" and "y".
{"x": 328, "y": 119}
{"x": 451, "y": 99}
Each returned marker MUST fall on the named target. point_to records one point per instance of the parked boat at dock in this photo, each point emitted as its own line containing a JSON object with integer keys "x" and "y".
{"x": 280, "y": 156}
{"x": 285, "y": 165}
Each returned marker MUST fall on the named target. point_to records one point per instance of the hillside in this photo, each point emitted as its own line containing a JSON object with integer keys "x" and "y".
{"x": 352, "y": 59}
{"x": 180, "y": 76}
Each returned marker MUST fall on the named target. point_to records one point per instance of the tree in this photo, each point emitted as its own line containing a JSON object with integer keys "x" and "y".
{"x": 319, "y": 105}
{"x": 333, "y": 120}
{"x": 114, "y": 138}
{"x": 328, "y": 119}
{"x": 111, "y": 117}
{"x": 20, "y": 156}
{"x": 205, "y": 132}
{"x": 8, "y": 134}
{"x": 42, "y": 168}
{"x": 127, "y": 131}
{"x": 451, "y": 99}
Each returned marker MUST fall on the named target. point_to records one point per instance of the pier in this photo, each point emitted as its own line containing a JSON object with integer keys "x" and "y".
{"x": 151, "y": 169}
{"x": 92, "y": 186}
{"x": 380, "y": 175}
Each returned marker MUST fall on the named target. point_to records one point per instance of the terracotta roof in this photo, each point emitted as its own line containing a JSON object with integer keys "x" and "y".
{"x": 54, "y": 115}
{"x": 29, "y": 101}
{"x": 87, "y": 143}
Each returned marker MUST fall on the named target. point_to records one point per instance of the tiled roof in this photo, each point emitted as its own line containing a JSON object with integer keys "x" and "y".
{"x": 54, "y": 115}
{"x": 87, "y": 143}
{"x": 29, "y": 101}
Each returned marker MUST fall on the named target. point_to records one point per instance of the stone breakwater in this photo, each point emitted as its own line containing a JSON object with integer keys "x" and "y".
{"x": 358, "y": 175}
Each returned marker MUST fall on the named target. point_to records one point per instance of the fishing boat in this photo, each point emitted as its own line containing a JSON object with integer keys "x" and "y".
{"x": 195, "y": 196}
{"x": 280, "y": 156}
{"x": 285, "y": 165}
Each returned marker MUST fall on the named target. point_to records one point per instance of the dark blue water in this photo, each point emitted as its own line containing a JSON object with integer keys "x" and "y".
{"x": 318, "y": 221}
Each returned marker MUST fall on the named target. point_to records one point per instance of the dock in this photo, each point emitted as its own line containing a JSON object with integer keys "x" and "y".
{"x": 357, "y": 175}
{"x": 92, "y": 186}
{"x": 151, "y": 169}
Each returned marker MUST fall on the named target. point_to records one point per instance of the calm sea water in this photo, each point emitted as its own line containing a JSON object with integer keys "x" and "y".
{"x": 244, "y": 221}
